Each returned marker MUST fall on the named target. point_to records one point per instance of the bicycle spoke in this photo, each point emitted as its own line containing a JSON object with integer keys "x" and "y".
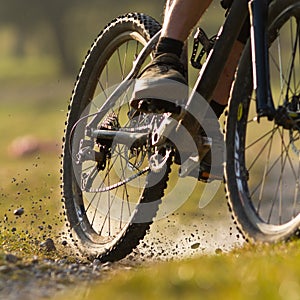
{"x": 125, "y": 189}
{"x": 102, "y": 89}
{"x": 265, "y": 174}
{"x": 272, "y": 132}
{"x": 120, "y": 64}
{"x": 294, "y": 45}
{"x": 125, "y": 59}
{"x": 279, "y": 187}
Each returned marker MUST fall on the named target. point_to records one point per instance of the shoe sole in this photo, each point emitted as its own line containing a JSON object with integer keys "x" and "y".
{"x": 157, "y": 96}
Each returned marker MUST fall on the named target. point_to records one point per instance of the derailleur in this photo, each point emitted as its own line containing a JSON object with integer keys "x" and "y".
{"x": 86, "y": 152}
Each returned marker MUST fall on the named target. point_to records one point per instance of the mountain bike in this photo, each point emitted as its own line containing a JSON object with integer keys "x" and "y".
{"x": 117, "y": 161}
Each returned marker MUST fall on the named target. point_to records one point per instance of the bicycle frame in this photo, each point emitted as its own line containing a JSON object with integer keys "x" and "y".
{"x": 117, "y": 160}
{"x": 211, "y": 71}
{"x": 260, "y": 59}
{"x": 215, "y": 63}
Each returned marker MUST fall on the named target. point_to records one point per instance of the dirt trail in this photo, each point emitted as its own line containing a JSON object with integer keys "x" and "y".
{"x": 181, "y": 235}
{"x": 47, "y": 272}
{"x": 175, "y": 237}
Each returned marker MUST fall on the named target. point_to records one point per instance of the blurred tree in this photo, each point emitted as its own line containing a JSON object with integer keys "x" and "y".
{"x": 66, "y": 22}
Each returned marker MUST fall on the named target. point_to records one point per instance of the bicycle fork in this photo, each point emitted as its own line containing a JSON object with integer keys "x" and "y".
{"x": 285, "y": 115}
{"x": 258, "y": 10}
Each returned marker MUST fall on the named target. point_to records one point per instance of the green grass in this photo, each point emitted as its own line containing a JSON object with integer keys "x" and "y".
{"x": 36, "y": 109}
{"x": 253, "y": 272}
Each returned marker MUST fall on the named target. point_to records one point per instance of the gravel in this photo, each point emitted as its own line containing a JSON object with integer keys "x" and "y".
{"x": 49, "y": 265}
{"x": 43, "y": 278}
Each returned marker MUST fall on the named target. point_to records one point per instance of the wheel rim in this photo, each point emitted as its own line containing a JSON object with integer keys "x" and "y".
{"x": 104, "y": 215}
{"x": 267, "y": 161}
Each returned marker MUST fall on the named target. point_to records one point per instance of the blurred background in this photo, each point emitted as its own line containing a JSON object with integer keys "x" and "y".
{"x": 55, "y": 35}
{"x": 42, "y": 46}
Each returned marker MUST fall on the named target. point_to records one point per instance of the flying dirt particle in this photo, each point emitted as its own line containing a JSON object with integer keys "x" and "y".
{"x": 195, "y": 246}
{"x": 19, "y": 211}
{"x": 48, "y": 245}
{"x": 219, "y": 251}
{"x": 35, "y": 259}
{"x": 11, "y": 258}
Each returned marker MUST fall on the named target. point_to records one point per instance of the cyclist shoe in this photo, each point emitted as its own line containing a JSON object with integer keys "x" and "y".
{"x": 161, "y": 87}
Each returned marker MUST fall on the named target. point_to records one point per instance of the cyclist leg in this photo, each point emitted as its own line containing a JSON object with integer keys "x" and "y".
{"x": 155, "y": 81}
{"x": 181, "y": 17}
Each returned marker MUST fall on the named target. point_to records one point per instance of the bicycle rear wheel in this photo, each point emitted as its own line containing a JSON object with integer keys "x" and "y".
{"x": 263, "y": 158}
{"x": 110, "y": 194}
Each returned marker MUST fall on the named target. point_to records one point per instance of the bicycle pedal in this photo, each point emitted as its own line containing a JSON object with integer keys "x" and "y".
{"x": 200, "y": 37}
{"x": 157, "y": 106}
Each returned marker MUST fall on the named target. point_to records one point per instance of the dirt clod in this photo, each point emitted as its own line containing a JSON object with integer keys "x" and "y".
{"x": 10, "y": 258}
{"x": 48, "y": 245}
{"x": 195, "y": 246}
{"x": 19, "y": 211}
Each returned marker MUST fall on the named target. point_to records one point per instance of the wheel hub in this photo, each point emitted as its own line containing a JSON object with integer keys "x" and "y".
{"x": 288, "y": 116}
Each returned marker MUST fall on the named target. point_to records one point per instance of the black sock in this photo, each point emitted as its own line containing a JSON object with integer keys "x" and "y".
{"x": 217, "y": 108}
{"x": 169, "y": 45}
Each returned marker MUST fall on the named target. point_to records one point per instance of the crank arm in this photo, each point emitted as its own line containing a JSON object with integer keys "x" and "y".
{"x": 120, "y": 137}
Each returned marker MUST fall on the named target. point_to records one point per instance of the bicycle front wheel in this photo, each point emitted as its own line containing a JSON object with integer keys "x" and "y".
{"x": 110, "y": 194}
{"x": 263, "y": 157}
